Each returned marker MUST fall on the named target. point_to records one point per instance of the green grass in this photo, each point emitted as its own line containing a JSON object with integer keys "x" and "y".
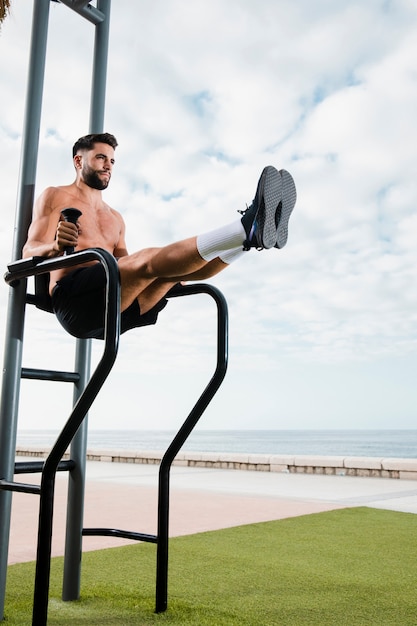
{"x": 347, "y": 567}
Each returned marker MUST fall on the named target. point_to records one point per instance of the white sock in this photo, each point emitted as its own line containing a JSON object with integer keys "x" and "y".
{"x": 231, "y": 255}
{"x": 214, "y": 243}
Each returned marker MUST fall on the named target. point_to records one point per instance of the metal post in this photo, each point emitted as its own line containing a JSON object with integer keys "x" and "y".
{"x": 76, "y": 485}
{"x": 98, "y": 88}
{"x": 161, "y": 595}
{"x": 76, "y": 482}
{"x": 16, "y": 308}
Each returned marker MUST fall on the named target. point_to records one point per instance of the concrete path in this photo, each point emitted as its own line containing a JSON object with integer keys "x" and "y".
{"x": 123, "y": 495}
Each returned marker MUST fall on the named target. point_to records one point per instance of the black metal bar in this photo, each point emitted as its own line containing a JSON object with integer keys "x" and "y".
{"x": 34, "y": 267}
{"x": 50, "y": 375}
{"x": 51, "y": 465}
{"x": 8, "y": 485}
{"x": 116, "y": 532}
{"x": 180, "y": 438}
{"x": 36, "y": 467}
{"x": 80, "y": 410}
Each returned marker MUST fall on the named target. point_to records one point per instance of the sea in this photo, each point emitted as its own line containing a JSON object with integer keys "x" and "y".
{"x": 369, "y": 443}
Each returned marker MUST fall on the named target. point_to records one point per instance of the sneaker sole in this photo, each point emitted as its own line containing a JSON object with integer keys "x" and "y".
{"x": 289, "y": 197}
{"x": 272, "y": 195}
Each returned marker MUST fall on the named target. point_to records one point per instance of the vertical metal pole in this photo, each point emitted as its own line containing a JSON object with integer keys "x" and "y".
{"x": 176, "y": 444}
{"x": 98, "y": 89}
{"x": 76, "y": 486}
{"x": 16, "y": 308}
{"x": 76, "y": 482}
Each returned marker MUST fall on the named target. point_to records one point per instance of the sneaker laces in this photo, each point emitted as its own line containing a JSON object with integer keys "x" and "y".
{"x": 244, "y": 211}
{"x": 247, "y": 243}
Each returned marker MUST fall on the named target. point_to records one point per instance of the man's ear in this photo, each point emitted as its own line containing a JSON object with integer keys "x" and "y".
{"x": 78, "y": 161}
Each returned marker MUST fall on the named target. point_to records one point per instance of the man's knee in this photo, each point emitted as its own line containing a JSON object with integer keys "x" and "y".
{"x": 139, "y": 263}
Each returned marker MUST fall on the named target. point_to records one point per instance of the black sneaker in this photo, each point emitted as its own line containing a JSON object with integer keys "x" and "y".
{"x": 289, "y": 196}
{"x": 259, "y": 219}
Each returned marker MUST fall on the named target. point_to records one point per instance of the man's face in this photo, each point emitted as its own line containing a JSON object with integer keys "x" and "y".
{"x": 97, "y": 165}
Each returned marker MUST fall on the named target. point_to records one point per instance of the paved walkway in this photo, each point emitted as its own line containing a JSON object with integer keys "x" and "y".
{"x": 123, "y": 495}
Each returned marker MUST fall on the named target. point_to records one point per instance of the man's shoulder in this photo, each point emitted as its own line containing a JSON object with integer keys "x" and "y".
{"x": 58, "y": 190}
{"x": 113, "y": 211}
{"x": 55, "y": 197}
{"x": 116, "y": 214}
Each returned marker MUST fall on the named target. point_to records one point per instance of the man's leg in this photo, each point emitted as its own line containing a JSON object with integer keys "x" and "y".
{"x": 158, "y": 289}
{"x": 198, "y": 258}
{"x": 139, "y": 270}
{"x": 149, "y": 274}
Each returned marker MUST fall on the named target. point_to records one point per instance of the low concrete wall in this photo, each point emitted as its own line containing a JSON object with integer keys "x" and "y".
{"x": 298, "y": 464}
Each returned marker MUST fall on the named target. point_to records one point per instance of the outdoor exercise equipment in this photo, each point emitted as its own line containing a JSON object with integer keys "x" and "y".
{"x": 86, "y": 386}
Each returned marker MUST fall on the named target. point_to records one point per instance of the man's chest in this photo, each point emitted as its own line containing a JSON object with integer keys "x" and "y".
{"x": 99, "y": 226}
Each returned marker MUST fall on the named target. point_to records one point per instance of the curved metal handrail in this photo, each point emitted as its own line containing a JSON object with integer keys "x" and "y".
{"x": 34, "y": 267}
{"x": 185, "y": 431}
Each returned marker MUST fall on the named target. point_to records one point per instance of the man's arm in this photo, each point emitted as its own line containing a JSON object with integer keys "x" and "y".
{"x": 120, "y": 248}
{"x": 48, "y": 235}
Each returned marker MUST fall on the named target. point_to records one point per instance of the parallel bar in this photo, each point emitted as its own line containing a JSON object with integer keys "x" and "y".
{"x": 121, "y": 534}
{"x": 17, "y": 271}
{"x": 50, "y": 375}
{"x": 111, "y": 342}
{"x": 184, "y": 432}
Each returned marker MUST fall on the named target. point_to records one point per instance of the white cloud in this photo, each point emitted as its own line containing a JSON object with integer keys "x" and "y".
{"x": 200, "y": 98}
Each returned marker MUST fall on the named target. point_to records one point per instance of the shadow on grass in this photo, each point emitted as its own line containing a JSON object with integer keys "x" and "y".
{"x": 346, "y": 567}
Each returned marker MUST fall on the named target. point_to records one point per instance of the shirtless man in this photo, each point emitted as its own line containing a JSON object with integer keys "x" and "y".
{"x": 146, "y": 276}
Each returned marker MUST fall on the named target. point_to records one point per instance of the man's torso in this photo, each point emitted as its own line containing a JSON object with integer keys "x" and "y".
{"x": 99, "y": 225}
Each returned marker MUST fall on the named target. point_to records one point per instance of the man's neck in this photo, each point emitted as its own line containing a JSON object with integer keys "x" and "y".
{"x": 89, "y": 194}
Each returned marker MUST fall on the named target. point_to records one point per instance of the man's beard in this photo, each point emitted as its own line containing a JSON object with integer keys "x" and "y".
{"x": 92, "y": 179}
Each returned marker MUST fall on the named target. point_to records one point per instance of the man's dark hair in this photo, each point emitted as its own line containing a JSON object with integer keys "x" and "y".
{"x": 87, "y": 142}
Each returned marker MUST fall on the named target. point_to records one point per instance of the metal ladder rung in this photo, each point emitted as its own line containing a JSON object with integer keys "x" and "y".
{"x": 40, "y": 374}
{"x": 7, "y": 485}
{"x": 33, "y": 467}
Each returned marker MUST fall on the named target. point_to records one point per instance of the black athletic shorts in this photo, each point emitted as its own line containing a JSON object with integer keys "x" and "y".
{"x": 79, "y": 302}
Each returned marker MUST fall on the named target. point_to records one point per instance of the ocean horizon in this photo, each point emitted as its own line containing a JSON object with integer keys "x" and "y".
{"x": 367, "y": 443}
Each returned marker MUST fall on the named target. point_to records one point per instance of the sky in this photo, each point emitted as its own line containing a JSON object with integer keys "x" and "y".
{"x": 201, "y": 96}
